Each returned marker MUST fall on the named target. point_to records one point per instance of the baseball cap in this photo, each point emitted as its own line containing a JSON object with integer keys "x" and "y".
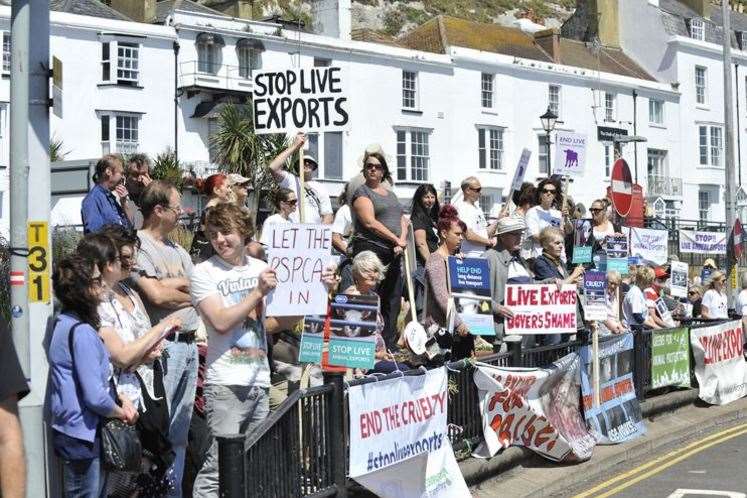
{"x": 237, "y": 179}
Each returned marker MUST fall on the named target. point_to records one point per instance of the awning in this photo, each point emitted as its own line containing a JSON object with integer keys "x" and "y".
{"x": 251, "y": 43}
{"x": 210, "y": 39}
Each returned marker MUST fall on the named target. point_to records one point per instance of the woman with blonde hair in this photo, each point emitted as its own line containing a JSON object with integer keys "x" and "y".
{"x": 714, "y": 305}
{"x": 637, "y": 310}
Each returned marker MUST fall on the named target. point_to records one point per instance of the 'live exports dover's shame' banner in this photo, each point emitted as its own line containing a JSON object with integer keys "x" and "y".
{"x": 618, "y": 416}
{"x": 534, "y": 408}
{"x": 719, "y": 362}
{"x": 541, "y": 309}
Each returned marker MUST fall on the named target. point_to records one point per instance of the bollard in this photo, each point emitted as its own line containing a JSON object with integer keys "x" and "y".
{"x": 337, "y": 422}
{"x": 513, "y": 342}
{"x": 231, "y": 473}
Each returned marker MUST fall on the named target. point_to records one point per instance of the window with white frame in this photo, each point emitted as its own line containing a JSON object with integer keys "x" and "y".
{"x": 710, "y": 144}
{"x": 120, "y": 63}
{"x": 542, "y": 157}
{"x": 209, "y": 48}
{"x": 705, "y": 200}
{"x": 409, "y": 90}
{"x": 326, "y": 148}
{"x": 697, "y": 29}
{"x": 490, "y": 148}
{"x": 413, "y": 155}
{"x": 700, "y": 84}
{"x": 125, "y": 136}
{"x": 609, "y": 106}
{"x": 608, "y": 160}
{"x": 6, "y": 52}
{"x": 741, "y": 39}
{"x": 486, "y": 204}
{"x": 250, "y": 59}
{"x": 657, "y": 163}
{"x": 656, "y": 111}
{"x": 486, "y": 96}
{"x": 553, "y": 99}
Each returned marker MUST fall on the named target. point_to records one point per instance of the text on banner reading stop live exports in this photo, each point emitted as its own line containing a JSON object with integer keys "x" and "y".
{"x": 541, "y": 309}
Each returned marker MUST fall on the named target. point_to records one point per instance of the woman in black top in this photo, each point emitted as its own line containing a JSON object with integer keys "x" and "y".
{"x": 424, "y": 217}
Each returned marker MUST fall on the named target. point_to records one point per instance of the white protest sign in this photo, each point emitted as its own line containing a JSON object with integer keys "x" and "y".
{"x": 702, "y": 242}
{"x": 521, "y": 170}
{"x": 313, "y": 98}
{"x": 652, "y": 246}
{"x": 678, "y": 279}
{"x": 719, "y": 362}
{"x": 570, "y": 153}
{"x": 541, "y": 309}
{"x": 298, "y": 253}
{"x": 394, "y": 420}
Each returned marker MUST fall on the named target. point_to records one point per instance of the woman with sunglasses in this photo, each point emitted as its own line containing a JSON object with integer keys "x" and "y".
{"x": 714, "y": 305}
{"x": 695, "y": 298}
{"x": 285, "y": 202}
{"x": 601, "y": 226}
{"x": 544, "y": 214}
{"x": 380, "y": 227}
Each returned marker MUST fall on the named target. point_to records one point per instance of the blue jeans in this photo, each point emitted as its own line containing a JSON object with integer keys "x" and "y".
{"x": 229, "y": 410}
{"x": 83, "y": 478}
{"x": 179, "y": 384}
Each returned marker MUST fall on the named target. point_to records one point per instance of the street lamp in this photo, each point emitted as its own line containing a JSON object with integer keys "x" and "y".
{"x": 548, "y": 124}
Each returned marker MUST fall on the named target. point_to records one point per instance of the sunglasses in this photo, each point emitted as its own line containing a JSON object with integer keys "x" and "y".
{"x": 373, "y": 166}
{"x": 292, "y": 203}
{"x": 692, "y": 293}
{"x": 596, "y": 210}
{"x": 548, "y": 191}
{"x": 475, "y": 189}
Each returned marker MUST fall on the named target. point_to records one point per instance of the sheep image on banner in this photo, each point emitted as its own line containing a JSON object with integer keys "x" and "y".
{"x": 533, "y": 407}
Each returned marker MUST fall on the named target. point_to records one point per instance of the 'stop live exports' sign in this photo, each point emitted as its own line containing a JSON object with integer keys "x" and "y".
{"x": 541, "y": 309}
{"x": 309, "y": 99}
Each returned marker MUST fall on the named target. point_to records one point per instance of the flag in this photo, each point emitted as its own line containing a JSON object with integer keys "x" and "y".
{"x": 737, "y": 239}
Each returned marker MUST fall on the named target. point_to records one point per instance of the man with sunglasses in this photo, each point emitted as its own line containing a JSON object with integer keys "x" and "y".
{"x": 480, "y": 236}
{"x": 317, "y": 206}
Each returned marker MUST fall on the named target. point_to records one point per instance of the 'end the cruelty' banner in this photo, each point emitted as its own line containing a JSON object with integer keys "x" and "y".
{"x": 618, "y": 416}
{"x": 300, "y": 99}
{"x": 534, "y": 408}
{"x": 719, "y": 362}
{"x": 541, "y": 309}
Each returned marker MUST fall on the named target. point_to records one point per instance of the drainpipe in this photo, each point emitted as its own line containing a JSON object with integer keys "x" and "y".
{"x": 635, "y": 133}
{"x": 739, "y": 140}
{"x": 176, "y": 100}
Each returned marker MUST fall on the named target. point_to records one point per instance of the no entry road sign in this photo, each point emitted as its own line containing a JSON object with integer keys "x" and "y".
{"x": 622, "y": 187}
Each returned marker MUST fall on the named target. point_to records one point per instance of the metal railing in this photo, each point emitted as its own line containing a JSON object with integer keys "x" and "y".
{"x": 205, "y": 74}
{"x": 664, "y": 185}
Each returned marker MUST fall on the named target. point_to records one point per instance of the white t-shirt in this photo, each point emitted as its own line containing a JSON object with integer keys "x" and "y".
{"x": 742, "y": 302}
{"x": 538, "y": 218}
{"x": 343, "y": 223}
{"x": 474, "y": 218}
{"x": 238, "y": 357}
{"x": 317, "y": 199}
{"x": 634, "y": 303}
{"x": 716, "y": 304}
{"x": 274, "y": 219}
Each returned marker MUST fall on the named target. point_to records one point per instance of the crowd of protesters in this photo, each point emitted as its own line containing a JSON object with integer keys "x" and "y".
{"x": 160, "y": 336}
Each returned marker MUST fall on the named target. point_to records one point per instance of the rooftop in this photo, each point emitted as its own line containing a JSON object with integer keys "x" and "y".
{"x": 92, "y": 8}
{"x": 165, "y": 8}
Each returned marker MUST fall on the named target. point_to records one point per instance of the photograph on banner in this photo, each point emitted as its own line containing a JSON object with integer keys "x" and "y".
{"x": 702, "y": 242}
{"x": 312, "y": 98}
{"x": 618, "y": 417}
{"x": 353, "y": 339}
{"x": 651, "y": 246}
{"x": 670, "y": 358}
{"x": 536, "y": 408}
{"x": 298, "y": 253}
{"x": 541, "y": 309}
{"x": 394, "y": 420}
{"x": 582, "y": 242}
{"x": 595, "y": 295}
{"x": 616, "y": 249}
{"x": 678, "y": 278}
{"x": 719, "y": 362}
{"x": 570, "y": 153}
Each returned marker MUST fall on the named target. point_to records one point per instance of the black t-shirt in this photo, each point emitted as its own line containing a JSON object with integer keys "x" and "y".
{"x": 14, "y": 382}
{"x": 421, "y": 221}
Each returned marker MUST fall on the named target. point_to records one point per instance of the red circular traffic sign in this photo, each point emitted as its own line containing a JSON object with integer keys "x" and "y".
{"x": 622, "y": 187}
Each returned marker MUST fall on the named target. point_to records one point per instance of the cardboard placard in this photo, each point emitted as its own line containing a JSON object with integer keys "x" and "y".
{"x": 595, "y": 298}
{"x": 678, "y": 278}
{"x": 541, "y": 309}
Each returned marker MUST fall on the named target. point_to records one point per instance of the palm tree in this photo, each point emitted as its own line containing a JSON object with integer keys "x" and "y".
{"x": 239, "y": 150}
{"x": 55, "y": 150}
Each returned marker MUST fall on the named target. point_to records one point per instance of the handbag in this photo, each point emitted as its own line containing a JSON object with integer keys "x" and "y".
{"x": 120, "y": 444}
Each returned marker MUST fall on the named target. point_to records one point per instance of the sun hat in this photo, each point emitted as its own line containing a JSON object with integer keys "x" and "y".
{"x": 510, "y": 224}
{"x": 237, "y": 179}
{"x": 660, "y": 272}
{"x": 310, "y": 158}
{"x": 709, "y": 262}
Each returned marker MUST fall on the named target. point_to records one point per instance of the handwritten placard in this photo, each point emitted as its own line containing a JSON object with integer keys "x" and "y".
{"x": 298, "y": 253}
{"x": 541, "y": 309}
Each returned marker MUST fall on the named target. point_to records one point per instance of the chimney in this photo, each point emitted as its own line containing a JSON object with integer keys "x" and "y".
{"x": 331, "y": 18}
{"x": 240, "y": 9}
{"x": 609, "y": 23}
{"x": 702, "y": 7}
{"x": 137, "y": 10}
{"x": 549, "y": 41}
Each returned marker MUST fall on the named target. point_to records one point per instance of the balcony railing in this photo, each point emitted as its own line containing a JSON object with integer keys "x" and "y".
{"x": 664, "y": 186}
{"x": 202, "y": 74}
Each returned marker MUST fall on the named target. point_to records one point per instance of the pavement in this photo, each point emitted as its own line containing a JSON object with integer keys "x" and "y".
{"x": 671, "y": 420}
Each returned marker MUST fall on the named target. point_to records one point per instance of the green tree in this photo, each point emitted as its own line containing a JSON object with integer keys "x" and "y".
{"x": 166, "y": 167}
{"x": 55, "y": 150}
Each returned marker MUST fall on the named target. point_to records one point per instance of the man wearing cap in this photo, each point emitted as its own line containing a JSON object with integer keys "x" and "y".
{"x": 317, "y": 206}
{"x": 240, "y": 186}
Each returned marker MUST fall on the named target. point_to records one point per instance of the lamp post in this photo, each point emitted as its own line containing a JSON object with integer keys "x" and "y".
{"x": 548, "y": 124}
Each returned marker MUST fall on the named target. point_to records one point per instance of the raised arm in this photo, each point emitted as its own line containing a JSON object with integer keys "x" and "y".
{"x": 276, "y": 166}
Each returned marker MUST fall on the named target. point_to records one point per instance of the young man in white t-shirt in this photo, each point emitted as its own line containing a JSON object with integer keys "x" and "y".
{"x": 317, "y": 207}
{"x": 480, "y": 236}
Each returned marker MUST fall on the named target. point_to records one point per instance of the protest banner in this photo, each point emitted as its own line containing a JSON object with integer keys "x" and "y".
{"x": 719, "y": 362}
{"x": 595, "y": 295}
{"x": 616, "y": 248}
{"x": 651, "y": 246}
{"x": 570, "y": 153}
{"x": 535, "y": 408}
{"x": 298, "y": 253}
{"x": 352, "y": 321}
{"x": 394, "y": 420}
{"x": 670, "y": 358}
{"x": 541, "y": 309}
{"x": 702, "y": 242}
{"x": 678, "y": 278}
{"x": 581, "y": 242}
{"x": 617, "y": 418}
{"x": 313, "y": 98}
{"x": 521, "y": 170}
{"x": 469, "y": 274}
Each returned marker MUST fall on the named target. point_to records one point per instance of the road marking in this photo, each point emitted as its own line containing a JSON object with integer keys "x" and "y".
{"x": 663, "y": 462}
{"x": 681, "y": 493}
